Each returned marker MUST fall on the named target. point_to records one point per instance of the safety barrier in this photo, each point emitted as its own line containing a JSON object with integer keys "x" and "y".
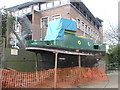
{"x": 65, "y": 78}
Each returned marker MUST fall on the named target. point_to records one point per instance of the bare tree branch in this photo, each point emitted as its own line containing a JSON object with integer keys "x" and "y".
{"x": 111, "y": 35}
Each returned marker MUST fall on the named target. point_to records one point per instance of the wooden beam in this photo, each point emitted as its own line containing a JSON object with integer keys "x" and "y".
{"x": 79, "y": 60}
{"x": 36, "y": 66}
{"x": 55, "y": 72}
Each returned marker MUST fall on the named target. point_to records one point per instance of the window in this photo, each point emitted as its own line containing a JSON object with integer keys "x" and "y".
{"x": 86, "y": 28}
{"x": 20, "y": 12}
{"x": 49, "y": 5}
{"x": 78, "y": 23}
{"x": 55, "y": 17}
{"x": 98, "y": 27}
{"x": 56, "y": 3}
{"x": 63, "y": 2}
{"x": 29, "y": 9}
{"x": 89, "y": 30}
{"x": 96, "y": 35}
{"x": 84, "y": 13}
{"x": 24, "y": 11}
{"x": 36, "y": 7}
{"x": 82, "y": 26}
{"x": 44, "y": 23}
{"x": 89, "y": 18}
{"x": 94, "y": 23}
{"x": 93, "y": 33}
{"x": 43, "y": 6}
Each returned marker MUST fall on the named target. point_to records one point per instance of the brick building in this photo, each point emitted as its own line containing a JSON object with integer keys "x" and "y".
{"x": 40, "y": 13}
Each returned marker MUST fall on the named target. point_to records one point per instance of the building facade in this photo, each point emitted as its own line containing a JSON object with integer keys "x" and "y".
{"x": 41, "y": 13}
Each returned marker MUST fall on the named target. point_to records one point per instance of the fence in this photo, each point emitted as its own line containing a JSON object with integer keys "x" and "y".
{"x": 66, "y": 78}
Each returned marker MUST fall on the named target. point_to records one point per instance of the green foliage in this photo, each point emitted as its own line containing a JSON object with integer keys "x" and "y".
{"x": 114, "y": 55}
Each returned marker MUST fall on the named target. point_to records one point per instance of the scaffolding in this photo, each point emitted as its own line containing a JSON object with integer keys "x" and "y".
{"x": 15, "y": 36}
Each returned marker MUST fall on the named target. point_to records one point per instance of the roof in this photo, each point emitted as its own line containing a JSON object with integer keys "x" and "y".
{"x": 27, "y": 4}
{"x": 82, "y": 5}
{"x": 21, "y": 6}
{"x": 99, "y": 19}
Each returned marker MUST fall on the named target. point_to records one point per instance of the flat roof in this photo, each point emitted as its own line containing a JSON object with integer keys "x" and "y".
{"x": 82, "y": 5}
{"x": 27, "y": 4}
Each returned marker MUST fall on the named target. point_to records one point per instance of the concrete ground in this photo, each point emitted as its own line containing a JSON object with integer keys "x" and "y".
{"x": 112, "y": 83}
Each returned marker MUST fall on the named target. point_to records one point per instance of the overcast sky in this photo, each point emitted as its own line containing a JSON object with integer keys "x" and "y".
{"x": 107, "y": 10}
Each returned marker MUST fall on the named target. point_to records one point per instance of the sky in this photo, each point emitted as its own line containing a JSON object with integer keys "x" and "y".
{"x": 107, "y": 10}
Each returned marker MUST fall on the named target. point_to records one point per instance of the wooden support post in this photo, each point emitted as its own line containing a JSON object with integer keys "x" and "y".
{"x": 36, "y": 65}
{"x": 79, "y": 60}
{"x": 0, "y": 79}
{"x": 55, "y": 72}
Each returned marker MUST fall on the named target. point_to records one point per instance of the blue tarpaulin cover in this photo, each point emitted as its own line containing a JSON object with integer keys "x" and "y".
{"x": 57, "y": 27}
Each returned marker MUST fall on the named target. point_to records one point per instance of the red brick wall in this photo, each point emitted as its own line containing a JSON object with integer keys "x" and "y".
{"x": 48, "y": 13}
{"x": 67, "y": 12}
{"x": 62, "y": 11}
{"x": 75, "y": 15}
{"x": 35, "y": 26}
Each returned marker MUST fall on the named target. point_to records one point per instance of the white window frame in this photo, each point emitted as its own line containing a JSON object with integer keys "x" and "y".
{"x": 55, "y": 15}
{"x": 78, "y": 24}
{"x": 44, "y": 7}
{"x": 92, "y": 32}
{"x": 49, "y": 6}
{"x": 86, "y": 29}
{"x": 36, "y": 7}
{"x": 89, "y": 30}
{"x": 83, "y": 26}
{"x": 41, "y": 20}
{"x": 63, "y": 2}
{"x": 57, "y": 3}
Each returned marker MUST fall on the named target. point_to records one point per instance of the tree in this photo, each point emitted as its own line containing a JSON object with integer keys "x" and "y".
{"x": 112, "y": 38}
{"x": 111, "y": 35}
{"x": 113, "y": 54}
